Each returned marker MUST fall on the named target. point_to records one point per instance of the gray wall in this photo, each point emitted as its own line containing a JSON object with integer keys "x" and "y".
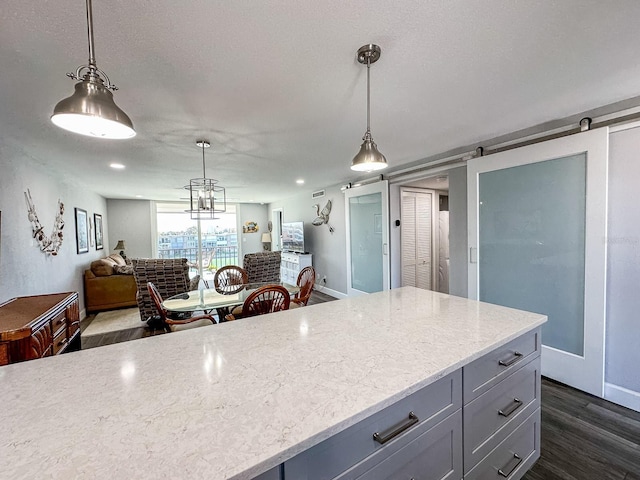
{"x": 328, "y": 249}
{"x": 623, "y": 263}
{"x": 251, "y": 242}
{"x": 458, "y": 271}
{"x": 133, "y": 221}
{"x": 24, "y": 269}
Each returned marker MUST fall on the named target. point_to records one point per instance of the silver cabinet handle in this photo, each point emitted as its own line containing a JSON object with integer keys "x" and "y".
{"x": 510, "y": 466}
{"x": 508, "y": 363}
{"x": 387, "y": 435}
{"x": 511, "y": 408}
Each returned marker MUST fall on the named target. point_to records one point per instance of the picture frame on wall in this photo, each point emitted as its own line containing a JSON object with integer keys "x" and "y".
{"x": 97, "y": 220}
{"x": 82, "y": 230}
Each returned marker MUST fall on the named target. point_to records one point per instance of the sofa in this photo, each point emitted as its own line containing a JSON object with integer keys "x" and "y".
{"x": 109, "y": 284}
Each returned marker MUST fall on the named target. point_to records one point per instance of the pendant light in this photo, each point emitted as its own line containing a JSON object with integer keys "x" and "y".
{"x": 91, "y": 110}
{"x": 368, "y": 158}
{"x": 206, "y": 197}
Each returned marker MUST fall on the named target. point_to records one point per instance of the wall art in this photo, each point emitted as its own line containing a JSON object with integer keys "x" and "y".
{"x": 82, "y": 231}
{"x": 97, "y": 219}
{"x": 49, "y": 245}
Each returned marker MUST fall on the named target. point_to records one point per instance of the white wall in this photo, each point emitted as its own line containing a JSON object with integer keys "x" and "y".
{"x": 133, "y": 221}
{"x": 24, "y": 270}
{"x": 623, "y": 271}
{"x": 328, "y": 249}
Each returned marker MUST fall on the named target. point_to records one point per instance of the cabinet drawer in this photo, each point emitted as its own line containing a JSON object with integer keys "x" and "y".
{"x": 335, "y": 455}
{"x": 491, "y": 417}
{"x": 430, "y": 454}
{"x": 58, "y": 322}
{"x": 73, "y": 327}
{"x": 485, "y": 372}
{"x": 60, "y": 341}
{"x": 514, "y": 456}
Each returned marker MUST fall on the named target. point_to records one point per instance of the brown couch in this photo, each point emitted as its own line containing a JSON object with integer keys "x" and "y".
{"x": 109, "y": 284}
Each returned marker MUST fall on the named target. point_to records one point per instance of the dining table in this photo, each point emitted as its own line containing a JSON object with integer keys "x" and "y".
{"x": 218, "y": 298}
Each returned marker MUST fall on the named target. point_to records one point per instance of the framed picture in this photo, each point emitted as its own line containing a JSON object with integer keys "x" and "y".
{"x": 82, "y": 231}
{"x": 97, "y": 219}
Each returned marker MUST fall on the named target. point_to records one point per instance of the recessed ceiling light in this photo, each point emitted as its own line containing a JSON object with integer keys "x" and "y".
{"x": 138, "y": 196}
{"x": 300, "y": 181}
{"x": 117, "y": 166}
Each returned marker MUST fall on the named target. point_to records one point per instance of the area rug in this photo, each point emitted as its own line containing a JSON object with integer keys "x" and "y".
{"x": 114, "y": 320}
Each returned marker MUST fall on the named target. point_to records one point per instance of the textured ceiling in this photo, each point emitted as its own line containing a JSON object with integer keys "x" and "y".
{"x": 276, "y": 88}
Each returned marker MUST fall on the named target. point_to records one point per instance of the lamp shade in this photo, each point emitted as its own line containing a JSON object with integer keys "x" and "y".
{"x": 91, "y": 111}
{"x": 120, "y": 245}
{"x": 266, "y": 237}
{"x": 369, "y": 157}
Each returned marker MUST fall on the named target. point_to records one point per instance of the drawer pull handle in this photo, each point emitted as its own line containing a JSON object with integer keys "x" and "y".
{"x": 384, "y": 437}
{"x": 510, "y": 466}
{"x": 508, "y": 363}
{"x": 511, "y": 408}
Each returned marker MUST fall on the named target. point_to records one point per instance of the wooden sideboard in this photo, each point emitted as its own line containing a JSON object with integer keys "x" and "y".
{"x": 39, "y": 326}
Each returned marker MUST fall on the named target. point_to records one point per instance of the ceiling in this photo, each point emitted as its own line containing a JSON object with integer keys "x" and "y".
{"x": 276, "y": 88}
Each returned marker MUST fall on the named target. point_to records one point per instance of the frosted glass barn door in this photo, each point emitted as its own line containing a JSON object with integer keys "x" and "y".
{"x": 367, "y": 222}
{"x": 537, "y": 223}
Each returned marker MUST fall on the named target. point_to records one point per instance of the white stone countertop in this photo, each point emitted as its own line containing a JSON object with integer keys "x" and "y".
{"x": 230, "y": 401}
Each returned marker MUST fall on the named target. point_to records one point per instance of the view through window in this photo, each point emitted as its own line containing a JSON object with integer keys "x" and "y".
{"x": 179, "y": 237}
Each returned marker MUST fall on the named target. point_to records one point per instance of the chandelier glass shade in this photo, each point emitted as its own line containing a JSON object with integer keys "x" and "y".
{"x": 206, "y": 197}
{"x": 369, "y": 157}
{"x": 91, "y": 109}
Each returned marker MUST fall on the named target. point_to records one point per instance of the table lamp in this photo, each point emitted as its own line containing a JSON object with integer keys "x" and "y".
{"x": 266, "y": 241}
{"x": 120, "y": 246}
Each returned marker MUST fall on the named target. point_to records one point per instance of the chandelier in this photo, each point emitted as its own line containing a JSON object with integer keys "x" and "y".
{"x": 205, "y": 195}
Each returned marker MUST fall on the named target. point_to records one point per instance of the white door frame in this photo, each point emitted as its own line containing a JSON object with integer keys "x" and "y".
{"x": 381, "y": 187}
{"x": 584, "y": 372}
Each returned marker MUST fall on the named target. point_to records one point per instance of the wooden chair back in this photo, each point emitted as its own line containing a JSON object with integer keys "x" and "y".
{"x": 156, "y": 298}
{"x": 306, "y": 281}
{"x": 229, "y": 276}
{"x": 267, "y": 299}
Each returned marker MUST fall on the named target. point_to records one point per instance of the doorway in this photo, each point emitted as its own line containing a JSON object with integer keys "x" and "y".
{"x": 424, "y": 234}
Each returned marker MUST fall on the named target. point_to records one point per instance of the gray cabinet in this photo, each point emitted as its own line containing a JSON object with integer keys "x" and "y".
{"x": 487, "y": 412}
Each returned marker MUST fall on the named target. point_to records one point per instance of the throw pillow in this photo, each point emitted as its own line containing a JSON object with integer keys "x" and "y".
{"x": 117, "y": 259}
{"x": 194, "y": 282}
{"x": 123, "y": 269}
{"x": 102, "y": 267}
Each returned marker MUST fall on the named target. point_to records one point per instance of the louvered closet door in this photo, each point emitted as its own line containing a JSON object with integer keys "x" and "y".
{"x": 417, "y": 239}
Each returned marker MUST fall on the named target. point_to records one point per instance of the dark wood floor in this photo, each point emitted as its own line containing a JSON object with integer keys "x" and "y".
{"x": 585, "y": 438}
{"x": 145, "y": 331}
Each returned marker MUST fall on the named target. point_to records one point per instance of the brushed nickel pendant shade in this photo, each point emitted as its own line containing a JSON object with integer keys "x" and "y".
{"x": 91, "y": 109}
{"x": 206, "y": 197}
{"x": 369, "y": 157}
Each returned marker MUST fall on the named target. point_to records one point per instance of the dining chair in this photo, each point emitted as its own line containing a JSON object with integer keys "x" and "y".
{"x": 225, "y": 278}
{"x": 267, "y": 299}
{"x": 175, "y": 324}
{"x": 306, "y": 281}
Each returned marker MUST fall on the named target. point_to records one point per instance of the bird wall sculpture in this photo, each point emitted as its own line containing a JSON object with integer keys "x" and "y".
{"x": 322, "y": 217}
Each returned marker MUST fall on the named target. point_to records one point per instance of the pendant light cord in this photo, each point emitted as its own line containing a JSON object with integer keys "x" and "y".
{"x": 92, "y": 58}
{"x": 204, "y": 172}
{"x": 368, "y": 96}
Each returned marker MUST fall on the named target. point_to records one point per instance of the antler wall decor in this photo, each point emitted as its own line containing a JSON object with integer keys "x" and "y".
{"x": 49, "y": 245}
{"x": 322, "y": 216}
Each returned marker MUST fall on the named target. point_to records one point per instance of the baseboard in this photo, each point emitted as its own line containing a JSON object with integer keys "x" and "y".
{"x": 330, "y": 292}
{"x": 83, "y": 314}
{"x": 622, "y": 396}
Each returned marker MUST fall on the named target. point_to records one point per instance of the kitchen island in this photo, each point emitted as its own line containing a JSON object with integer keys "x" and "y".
{"x": 243, "y": 398}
